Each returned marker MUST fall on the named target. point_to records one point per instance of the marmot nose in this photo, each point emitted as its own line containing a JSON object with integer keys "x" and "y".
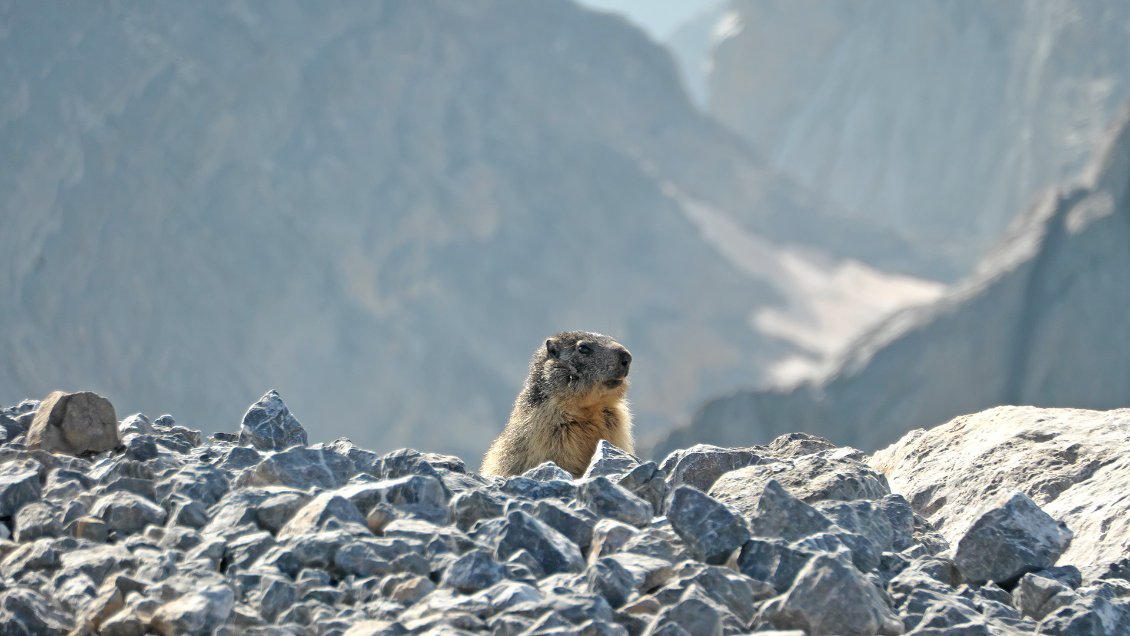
{"x": 625, "y": 358}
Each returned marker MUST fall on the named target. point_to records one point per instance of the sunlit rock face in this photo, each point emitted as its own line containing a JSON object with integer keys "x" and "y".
{"x": 939, "y": 121}
{"x": 1041, "y": 322}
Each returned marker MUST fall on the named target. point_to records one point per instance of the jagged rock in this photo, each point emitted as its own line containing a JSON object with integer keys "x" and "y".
{"x": 1012, "y": 537}
{"x": 608, "y": 460}
{"x": 127, "y": 512}
{"x": 194, "y": 613}
{"x": 299, "y": 467}
{"x": 74, "y": 423}
{"x": 38, "y": 520}
{"x": 648, "y": 482}
{"x": 780, "y": 514}
{"x": 25, "y": 611}
{"x": 19, "y": 485}
{"x": 474, "y": 571}
{"x": 552, "y": 551}
{"x": 835, "y": 475}
{"x": 1079, "y": 462}
{"x": 710, "y": 529}
{"x": 829, "y": 597}
{"x": 606, "y": 499}
{"x": 1037, "y": 596}
{"x": 546, "y": 472}
{"x": 701, "y": 465}
{"x": 327, "y": 511}
{"x": 269, "y": 425}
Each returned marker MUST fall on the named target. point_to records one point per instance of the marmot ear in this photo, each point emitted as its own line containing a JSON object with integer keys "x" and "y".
{"x": 551, "y": 348}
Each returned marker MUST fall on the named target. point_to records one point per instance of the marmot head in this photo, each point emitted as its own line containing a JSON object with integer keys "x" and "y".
{"x": 579, "y": 364}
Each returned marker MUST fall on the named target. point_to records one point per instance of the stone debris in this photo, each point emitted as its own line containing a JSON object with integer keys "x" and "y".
{"x": 169, "y": 531}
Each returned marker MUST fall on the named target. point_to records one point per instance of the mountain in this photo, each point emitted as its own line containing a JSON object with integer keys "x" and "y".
{"x": 379, "y": 211}
{"x": 936, "y": 120}
{"x": 691, "y": 43}
{"x": 1042, "y": 322}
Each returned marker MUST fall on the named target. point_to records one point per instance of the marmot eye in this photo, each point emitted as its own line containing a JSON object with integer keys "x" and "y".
{"x": 584, "y": 348}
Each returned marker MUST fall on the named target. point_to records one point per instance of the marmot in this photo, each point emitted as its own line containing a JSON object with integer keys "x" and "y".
{"x": 572, "y": 399}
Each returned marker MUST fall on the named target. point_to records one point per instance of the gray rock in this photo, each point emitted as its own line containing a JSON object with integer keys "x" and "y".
{"x": 547, "y": 471}
{"x": 470, "y": 507}
{"x": 711, "y": 530}
{"x": 606, "y": 499}
{"x": 647, "y": 482}
{"x": 25, "y": 611}
{"x": 779, "y": 514}
{"x": 197, "y": 612}
{"x": 37, "y": 520}
{"x": 1012, "y": 537}
{"x": 609, "y": 536}
{"x": 553, "y": 552}
{"x": 269, "y": 425}
{"x": 136, "y": 424}
{"x": 836, "y": 475}
{"x": 278, "y": 508}
{"x": 1037, "y": 596}
{"x": 301, "y": 468}
{"x": 202, "y": 483}
{"x": 608, "y": 460}
{"x": 829, "y": 597}
{"x": 692, "y": 615}
{"x": 74, "y": 424}
{"x": 948, "y": 472}
{"x": 474, "y": 571}
{"x": 19, "y": 484}
{"x": 128, "y": 513}
{"x": 701, "y": 465}
{"x": 327, "y": 511}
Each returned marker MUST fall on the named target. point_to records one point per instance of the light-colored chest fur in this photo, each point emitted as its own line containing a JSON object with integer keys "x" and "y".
{"x": 567, "y": 433}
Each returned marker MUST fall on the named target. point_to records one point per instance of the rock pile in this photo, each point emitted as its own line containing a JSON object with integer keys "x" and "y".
{"x": 255, "y": 532}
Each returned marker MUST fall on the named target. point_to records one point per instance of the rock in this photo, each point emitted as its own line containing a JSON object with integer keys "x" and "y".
{"x": 1012, "y": 537}
{"x": 647, "y": 482}
{"x": 327, "y": 511}
{"x": 127, "y": 512}
{"x": 691, "y": 614}
{"x": 1037, "y": 596}
{"x": 38, "y": 520}
{"x": 269, "y": 425}
{"x": 74, "y": 424}
{"x": 608, "y": 460}
{"x": 547, "y": 471}
{"x": 553, "y": 552}
{"x": 196, "y": 612}
{"x": 829, "y": 597}
{"x": 701, "y": 465}
{"x": 606, "y": 499}
{"x": 24, "y": 611}
{"x": 474, "y": 571}
{"x": 301, "y": 468}
{"x": 816, "y": 477}
{"x": 1079, "y": 461}
{"x": 710, "y": 529}
{"x": 19, "y": 484}
{"x": 780, "y": 514}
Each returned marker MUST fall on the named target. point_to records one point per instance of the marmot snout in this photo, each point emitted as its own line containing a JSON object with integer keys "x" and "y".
{"x": 572, "y": 399}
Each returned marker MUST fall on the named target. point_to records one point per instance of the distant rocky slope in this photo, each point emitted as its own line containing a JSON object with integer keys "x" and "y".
{"x": 256, "y": 532}
{"x": 379, "y": 209}
{"x": 1042, "y": 322}
{"x": 938, "y": 120}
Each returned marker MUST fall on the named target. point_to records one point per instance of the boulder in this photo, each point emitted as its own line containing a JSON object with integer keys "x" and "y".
{"x": 74, "y": 424}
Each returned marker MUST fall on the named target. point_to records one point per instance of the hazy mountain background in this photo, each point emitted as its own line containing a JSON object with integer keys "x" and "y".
{"x": 381, "y": 208}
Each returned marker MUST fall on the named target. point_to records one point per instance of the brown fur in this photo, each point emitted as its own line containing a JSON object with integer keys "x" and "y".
{"x": 571, "y": 401}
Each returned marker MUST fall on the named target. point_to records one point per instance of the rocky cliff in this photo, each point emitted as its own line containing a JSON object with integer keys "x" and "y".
{"x": 937, "y": 120}
{"x": 171, "y": 532}
{"x": 380, "y": 210}
{"x": 1042, "y": 322}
